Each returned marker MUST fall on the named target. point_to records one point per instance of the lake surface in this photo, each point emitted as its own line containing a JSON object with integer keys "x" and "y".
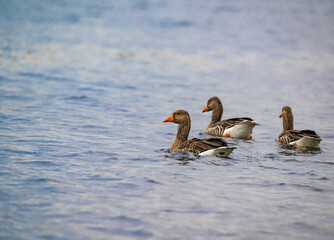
{"x": 85, "y": 86}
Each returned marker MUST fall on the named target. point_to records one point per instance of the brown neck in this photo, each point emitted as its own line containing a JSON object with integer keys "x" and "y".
{"x": 287, "y": 122}
{"x": 181, "y": 136}
{"x": 217, "y": 113}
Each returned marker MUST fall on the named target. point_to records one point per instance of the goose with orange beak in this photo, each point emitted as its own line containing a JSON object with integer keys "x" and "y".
{"x": 207, "y": 146}
{"x": 298, "y": 138}
{"x": 240, "y": 128}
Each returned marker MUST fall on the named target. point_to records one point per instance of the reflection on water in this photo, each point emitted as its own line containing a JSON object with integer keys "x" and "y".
{"x": 289, "y": 150}
{"x": 184, "y": 158}
{"x": 84, "y": 87}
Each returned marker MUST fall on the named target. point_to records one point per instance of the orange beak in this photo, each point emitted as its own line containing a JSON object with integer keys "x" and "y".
{"x": 205, "y": 109}
{"x": 280, "y": 116}
{"x": 170, "y": 119}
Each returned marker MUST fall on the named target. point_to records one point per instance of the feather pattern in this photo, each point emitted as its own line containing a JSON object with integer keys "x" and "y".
{"x": 301, "y": 138}
{"x": 217, "y": 127}
{"x": 195, "y": 145}
{"x": 294, "y": 135}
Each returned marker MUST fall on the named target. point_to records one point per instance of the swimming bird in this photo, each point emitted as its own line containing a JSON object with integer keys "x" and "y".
{"x": 241, "y": 128}
{"x": 300, "y": 138}
{"x": 207, "y": 146}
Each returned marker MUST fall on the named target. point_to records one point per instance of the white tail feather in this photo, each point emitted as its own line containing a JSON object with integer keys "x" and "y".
{"x": 307, "y": 141}
{"x": 242, "y": 130}
{"x": 219, "y": 152}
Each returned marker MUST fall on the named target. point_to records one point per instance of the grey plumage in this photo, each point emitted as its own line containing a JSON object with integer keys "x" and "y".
{"x": 195, "y": 145}
{"x": 294, "y": 135}
{"x": 217, "y": 126}
{"x": 289, "y": 135}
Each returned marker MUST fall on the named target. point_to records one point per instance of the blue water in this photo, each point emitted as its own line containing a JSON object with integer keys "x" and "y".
{"x": 85, "y": 85}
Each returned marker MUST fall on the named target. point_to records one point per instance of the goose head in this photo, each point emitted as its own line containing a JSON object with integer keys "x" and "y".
{"x": 213, "y": 103}
{"x": 287, "y": 117}
{"x": 179, "y": 117}
{"x": 286, "y": 111}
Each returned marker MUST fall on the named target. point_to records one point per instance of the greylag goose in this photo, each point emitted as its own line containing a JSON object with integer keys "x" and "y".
{"x": 234, "y": 127}
{"x": 208, "y": 146}
{"x": 300, "y": 138}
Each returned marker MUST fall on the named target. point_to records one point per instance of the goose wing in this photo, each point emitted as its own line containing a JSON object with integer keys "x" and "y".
{"x": 227, "y": 123}
{"x": 294, "y": 135}
{"x": 309, "y": 133}
{"x": 197, "y": 145}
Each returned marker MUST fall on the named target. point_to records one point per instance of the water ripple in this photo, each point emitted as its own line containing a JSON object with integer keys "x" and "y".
{"x": 84, "y": 88}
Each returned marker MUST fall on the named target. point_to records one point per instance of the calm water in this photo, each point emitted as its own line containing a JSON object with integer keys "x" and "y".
{"x": 85, "y": 85}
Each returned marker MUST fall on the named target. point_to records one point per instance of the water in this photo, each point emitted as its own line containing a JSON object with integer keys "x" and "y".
{"x": 84, "y": 87}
